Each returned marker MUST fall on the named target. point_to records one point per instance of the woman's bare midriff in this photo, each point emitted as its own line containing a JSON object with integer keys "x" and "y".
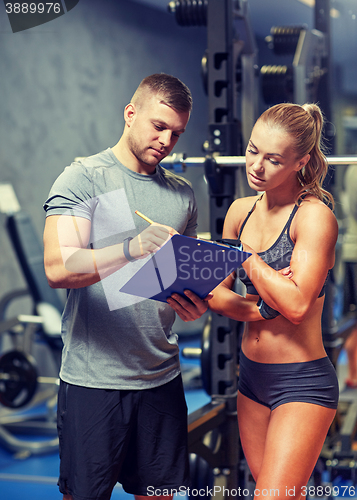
{"x": 280, "y": 341}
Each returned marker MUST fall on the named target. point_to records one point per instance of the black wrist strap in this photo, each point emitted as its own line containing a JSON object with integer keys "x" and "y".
{"x": 126, "y": 250}
{"x": 266, "y": 311}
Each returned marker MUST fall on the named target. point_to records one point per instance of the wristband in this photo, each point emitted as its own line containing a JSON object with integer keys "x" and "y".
{"x": 266, "y": 311}
{"x": 126, "y": 250}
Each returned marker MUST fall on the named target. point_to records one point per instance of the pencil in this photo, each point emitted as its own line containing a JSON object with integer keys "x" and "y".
{"x": 144, "y": 217}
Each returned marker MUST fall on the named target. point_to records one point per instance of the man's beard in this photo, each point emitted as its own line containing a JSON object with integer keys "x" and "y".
{"x": 143, "y": 154}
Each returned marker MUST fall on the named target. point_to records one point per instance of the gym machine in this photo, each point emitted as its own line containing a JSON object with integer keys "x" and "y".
{"x": 231, "y": 81}
{"x": 23, "y": 393}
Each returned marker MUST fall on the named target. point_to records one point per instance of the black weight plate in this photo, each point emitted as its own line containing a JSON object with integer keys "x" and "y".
{"x": 18, "y": 379}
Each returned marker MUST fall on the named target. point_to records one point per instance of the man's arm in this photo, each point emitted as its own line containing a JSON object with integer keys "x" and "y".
{"x": 69, "y": 263}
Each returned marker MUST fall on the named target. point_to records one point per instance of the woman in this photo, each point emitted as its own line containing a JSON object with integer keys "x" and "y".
{"x": 288, "y": 390}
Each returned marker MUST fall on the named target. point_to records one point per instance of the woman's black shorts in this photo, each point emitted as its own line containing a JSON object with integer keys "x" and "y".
{"x": 274, "y": 384}
{"x": 137, "y": 438}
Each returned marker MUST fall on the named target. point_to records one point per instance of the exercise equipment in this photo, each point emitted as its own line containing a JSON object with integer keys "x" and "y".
{"x": 299, "y": 81}
{"x": 308, "y": 78}
{"x": 190, "y": 12}
{"x": 21, "y": 388}
{"x": 29, "y": 252}
{"x": 18, "y": 379}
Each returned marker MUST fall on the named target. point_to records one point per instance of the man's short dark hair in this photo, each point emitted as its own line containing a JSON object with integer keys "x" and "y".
{"x": 170, "y": 90}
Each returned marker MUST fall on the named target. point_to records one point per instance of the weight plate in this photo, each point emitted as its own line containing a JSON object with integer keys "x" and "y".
{"x": 18, "y": 379}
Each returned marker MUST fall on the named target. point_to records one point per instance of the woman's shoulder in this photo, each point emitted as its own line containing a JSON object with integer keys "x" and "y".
{"x": 315, "y": 213}
{"x": 236, "y": 214}
{"x": 312, "y": 205}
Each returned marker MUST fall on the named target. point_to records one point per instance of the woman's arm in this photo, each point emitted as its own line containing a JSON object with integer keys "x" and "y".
{"x": 229, "y": 303}
{"x": 225, "y": 300}
{"x": 315, "y": 234}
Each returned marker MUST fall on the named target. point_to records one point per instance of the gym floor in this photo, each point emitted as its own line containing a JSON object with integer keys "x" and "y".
{"x": 35, "y": 477}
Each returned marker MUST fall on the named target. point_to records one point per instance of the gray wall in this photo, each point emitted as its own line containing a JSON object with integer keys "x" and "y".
{"x": 64, "y": 86}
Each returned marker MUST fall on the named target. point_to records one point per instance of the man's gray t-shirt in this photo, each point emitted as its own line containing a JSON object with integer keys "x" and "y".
{"x": 113, "y": 340}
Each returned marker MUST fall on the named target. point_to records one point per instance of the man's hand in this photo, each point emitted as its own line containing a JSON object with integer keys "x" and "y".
{"x": 150, "y": 240}
{"x": 189, "y": 310}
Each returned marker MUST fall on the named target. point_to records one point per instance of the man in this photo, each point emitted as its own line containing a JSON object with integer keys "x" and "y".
{"x": 122, "y": 415}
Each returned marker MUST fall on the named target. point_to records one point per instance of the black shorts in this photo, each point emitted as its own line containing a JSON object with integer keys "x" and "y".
{"x": 137, "y": 438}
{"x": 274, "y": 384}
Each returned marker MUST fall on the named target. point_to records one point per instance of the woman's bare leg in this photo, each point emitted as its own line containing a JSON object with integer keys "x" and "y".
{"x": 282, "y": 449}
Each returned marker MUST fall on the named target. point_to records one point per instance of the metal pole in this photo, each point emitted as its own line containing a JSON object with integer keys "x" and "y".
{"x": 179, "y": 162}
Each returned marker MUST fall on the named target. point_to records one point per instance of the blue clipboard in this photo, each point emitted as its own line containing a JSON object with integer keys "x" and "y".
{"x": 184, "y": 263}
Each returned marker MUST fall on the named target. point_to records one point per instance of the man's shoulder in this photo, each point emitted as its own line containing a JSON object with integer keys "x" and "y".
{"x": 85, "y": 168}
{"x": 99, "y": 160}
{"x": 173, "y": 179}
{"x": 82, "y": 171}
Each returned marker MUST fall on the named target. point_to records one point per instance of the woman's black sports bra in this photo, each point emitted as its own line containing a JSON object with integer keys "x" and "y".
{"x": 278, "y": 256}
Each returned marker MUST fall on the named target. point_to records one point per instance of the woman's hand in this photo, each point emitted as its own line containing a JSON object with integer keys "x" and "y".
{"x": 287, "y": 272}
